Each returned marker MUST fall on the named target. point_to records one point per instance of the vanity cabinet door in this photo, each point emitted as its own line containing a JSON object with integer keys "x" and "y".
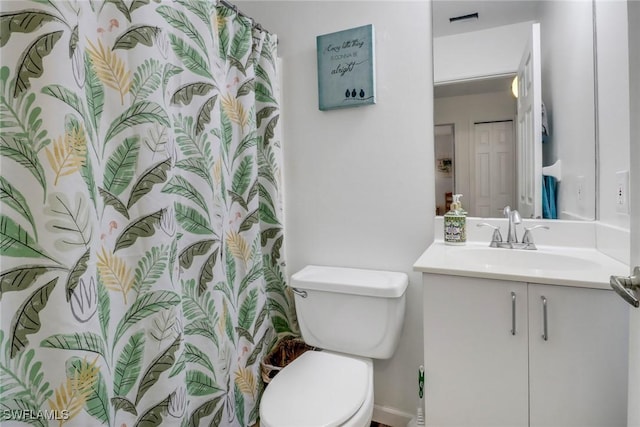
{"x": 475, "y": 368}
{"x": 578, "y": 369}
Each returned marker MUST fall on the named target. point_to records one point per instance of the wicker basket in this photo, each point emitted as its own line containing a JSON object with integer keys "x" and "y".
{"x": 286, "y": 350}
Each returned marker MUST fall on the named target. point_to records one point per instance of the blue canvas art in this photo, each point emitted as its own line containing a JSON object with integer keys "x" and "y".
{"x": 346, "y": 68}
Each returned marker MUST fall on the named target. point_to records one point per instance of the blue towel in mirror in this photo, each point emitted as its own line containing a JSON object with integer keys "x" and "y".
{"x": 549, "y": 187}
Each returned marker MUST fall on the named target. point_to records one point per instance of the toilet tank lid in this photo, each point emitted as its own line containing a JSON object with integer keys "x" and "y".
{"x": 355, "y": 281}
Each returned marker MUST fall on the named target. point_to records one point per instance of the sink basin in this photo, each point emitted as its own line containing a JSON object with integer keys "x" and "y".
{"x": 524, "y": 259}
{"x": 553, "y": 265}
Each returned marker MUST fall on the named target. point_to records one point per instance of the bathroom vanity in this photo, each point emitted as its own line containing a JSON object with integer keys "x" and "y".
{"x": 523, "y": 338}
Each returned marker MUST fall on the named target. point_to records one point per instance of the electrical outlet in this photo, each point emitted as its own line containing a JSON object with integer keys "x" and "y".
{"x": 622, "y": 192}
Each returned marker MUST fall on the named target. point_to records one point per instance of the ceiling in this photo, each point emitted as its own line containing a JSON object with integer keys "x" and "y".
{"x": 491, "y": 13}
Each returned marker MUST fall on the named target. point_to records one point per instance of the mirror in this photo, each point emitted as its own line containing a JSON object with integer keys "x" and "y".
{"x": 478, "y": 48}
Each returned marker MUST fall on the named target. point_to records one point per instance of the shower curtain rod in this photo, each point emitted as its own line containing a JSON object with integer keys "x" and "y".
{"x": 241, "y": 13}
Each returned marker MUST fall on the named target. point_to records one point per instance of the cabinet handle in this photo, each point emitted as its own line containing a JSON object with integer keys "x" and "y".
{"x": 545, "y": 332}
{"x": 513, "y": 313}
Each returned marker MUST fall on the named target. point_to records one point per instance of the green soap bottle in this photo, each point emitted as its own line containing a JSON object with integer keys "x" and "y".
{"x": 455, "y": 223}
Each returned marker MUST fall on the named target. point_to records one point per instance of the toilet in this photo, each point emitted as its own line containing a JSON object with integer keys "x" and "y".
{"x": 355, "y": 316}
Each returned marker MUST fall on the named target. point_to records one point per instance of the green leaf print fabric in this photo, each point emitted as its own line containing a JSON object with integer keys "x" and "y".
{"x": 142, "y": 274}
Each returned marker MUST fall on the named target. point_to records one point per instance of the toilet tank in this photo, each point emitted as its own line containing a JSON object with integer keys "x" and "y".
{"x": 348, "y": 310}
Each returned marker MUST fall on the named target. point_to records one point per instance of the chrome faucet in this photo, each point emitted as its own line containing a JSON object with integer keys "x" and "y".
{"x": 512, "y": 237}
{"x": 514, "y": 219}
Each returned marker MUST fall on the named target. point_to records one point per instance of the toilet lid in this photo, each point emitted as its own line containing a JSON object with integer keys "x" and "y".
{"x": 319, "y": 388}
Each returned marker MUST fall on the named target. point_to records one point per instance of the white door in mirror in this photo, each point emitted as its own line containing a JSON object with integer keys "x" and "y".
{"x": 494, "y": 165}
{"x": 529, "y": 140}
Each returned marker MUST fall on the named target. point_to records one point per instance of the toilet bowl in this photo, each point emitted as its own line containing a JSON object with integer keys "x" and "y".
{"x": 354, "y": 315}
{"x": 320, "y": 389}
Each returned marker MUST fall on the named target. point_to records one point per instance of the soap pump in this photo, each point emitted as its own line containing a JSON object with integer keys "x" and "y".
{"x": 455, "y": 223}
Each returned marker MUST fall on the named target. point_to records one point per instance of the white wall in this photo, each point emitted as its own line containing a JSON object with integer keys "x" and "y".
{"x": 613, "y": 104}
{"x": 490, "y": 52}
{"x": 463, "y": 111}
{"x": 568, "y": 94}
{"x": 359, "y": 183}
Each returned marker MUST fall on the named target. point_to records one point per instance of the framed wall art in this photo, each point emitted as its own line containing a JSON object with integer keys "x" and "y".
{"x": 346, "y": 68}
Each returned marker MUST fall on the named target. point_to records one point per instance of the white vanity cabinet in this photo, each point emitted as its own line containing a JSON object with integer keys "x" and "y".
{"x": 578, "y": 375}
{"x": 488, "y": 364}
{"x": 475, "y": 369}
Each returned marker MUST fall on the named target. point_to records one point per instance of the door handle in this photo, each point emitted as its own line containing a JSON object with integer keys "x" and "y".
{"x": 627, "y": 287}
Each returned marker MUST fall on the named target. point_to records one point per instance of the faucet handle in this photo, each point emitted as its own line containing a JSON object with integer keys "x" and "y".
{"x": 515, "y": 217}
{"x": 546, "y": 227}
{"x": 527, "y": 238}
{"x": 497, "y": 236}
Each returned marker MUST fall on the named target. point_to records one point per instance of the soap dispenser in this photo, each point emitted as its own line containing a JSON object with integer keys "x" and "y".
{"x": 455, "y": 223}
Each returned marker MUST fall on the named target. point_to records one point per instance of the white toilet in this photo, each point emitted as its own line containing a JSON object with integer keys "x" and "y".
{"x": 354, "y": 315}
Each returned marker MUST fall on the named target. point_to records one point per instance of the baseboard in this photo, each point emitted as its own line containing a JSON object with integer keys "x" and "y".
{"x": 390, "y": 416}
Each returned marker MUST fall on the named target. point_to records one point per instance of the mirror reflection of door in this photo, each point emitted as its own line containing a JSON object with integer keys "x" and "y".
{"x": 494, "y": 152}
{"x": 530, "y": 129}
{"x": 445, "y": 160}
{"x": 463, "y": 106}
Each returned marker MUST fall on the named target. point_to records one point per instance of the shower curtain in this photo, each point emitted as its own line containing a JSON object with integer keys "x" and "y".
{"x": 142, "y": 275}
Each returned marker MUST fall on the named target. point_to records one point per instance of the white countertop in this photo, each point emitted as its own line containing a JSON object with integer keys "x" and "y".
{"x": 589, "y": 268}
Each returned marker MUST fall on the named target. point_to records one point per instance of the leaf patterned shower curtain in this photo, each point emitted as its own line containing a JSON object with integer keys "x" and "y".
{"x": 142, "y": 272}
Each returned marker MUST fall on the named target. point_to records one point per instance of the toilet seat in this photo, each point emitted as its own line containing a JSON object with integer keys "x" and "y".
{"x": 319, "y": 388}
